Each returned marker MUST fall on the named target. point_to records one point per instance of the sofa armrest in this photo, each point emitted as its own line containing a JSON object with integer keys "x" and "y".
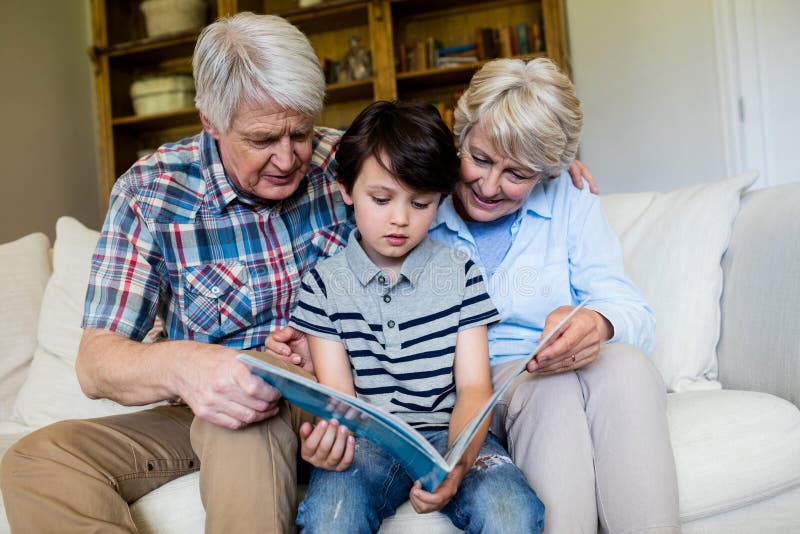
{"x": 759, "y": 347}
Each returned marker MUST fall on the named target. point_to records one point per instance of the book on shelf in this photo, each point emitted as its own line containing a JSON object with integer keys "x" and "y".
{"x": 417, "y": 456}
{"x": 456, "y": 55}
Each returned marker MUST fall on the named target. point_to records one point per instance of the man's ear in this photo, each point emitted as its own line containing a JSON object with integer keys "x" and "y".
{"x": 209, "y": 128}
{"x": 345, "y": 195}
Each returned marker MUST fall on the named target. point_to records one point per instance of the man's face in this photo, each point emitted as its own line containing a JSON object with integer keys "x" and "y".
{"x": 266, "y": 152}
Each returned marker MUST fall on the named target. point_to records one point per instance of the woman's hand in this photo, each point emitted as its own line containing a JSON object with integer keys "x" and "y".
{"x": 580, "y": 172}
{"x": 578, "y": 345}
{"x": 292, "y": 346}
{"x": 327, "y": 445}
{"x": 425, "y": 502}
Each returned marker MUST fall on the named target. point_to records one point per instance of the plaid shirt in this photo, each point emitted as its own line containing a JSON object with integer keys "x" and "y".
{"x": 178, "y": 241}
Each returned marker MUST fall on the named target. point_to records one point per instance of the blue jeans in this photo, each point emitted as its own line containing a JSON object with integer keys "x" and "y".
{"x": 494, "y": 495}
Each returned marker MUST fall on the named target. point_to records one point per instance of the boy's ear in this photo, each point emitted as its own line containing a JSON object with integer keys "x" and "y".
{"x": 345, "y": 195}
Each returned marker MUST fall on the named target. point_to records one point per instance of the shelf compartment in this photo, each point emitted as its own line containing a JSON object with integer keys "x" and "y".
{"x": 150, "y": 50}
{"x": 420, "y": 9}
{"x": 328, "y": 16}
{"x": 455, "y": 75}
{"x": 340, "y": 92}
{"x": 157, "y": 121}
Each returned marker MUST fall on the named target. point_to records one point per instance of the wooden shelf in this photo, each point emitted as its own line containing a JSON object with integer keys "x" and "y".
{"x": 341, "y": 92}
{"x": 157, "y": 121}
{"x": 453, "y": 75}
{"x": 381, "y": 26}
{"x": 157, "y": 46}
{"x": 328, "y": 16}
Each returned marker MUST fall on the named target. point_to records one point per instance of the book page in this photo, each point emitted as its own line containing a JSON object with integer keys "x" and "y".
{"x": 464, "y": 438}
{"x": 420, "y": 459}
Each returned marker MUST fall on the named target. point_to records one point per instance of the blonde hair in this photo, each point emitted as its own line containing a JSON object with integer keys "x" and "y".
{"x": 251, "y": 58}
{"x": 529, "y": 111}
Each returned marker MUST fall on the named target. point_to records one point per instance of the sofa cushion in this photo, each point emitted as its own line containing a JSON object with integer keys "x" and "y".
{"x": 174, "y": 508}
{"x": 8, "y": 435}
{"x": 732, "y": 448}
{"x": 673, "y": 245}
{"x": 155, "y": 512}
{"x": 760, "y": 309}
{"x": 24, "y": 270}
{"x": 51, "y": 391}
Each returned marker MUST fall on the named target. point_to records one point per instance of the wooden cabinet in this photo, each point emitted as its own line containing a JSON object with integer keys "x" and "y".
{"x": 122, "y": 53}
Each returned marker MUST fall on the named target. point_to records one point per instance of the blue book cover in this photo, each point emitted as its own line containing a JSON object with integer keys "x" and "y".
{"x": 417, "y": 456}
{"x": 523, "y": 41}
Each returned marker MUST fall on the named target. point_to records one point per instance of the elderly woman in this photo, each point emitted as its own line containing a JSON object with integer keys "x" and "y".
{"x": 588, "y": 425}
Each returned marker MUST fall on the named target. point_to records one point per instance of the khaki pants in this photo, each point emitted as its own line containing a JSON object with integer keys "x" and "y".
{"x": 594, "y": 443}
{"x": 80, "y": 475}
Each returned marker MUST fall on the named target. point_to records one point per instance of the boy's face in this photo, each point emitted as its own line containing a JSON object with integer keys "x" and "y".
{"x": 392, "y": 220}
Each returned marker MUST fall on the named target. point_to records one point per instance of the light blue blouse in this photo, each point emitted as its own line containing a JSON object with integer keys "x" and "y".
{"x": 562, "y": 250}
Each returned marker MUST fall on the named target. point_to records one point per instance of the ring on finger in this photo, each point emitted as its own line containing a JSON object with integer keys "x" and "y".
{"x": 573, "y": 358}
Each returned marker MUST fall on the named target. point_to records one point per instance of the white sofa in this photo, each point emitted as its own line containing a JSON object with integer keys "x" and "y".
{"x": 730, "y": 357}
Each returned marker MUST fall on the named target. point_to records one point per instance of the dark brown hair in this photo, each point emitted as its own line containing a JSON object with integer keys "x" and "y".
{"x": 409, "y": 140}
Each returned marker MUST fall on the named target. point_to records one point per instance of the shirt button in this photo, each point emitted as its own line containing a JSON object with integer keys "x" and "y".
{"x": 382, "y": 279}
{"x": 215, "y": 290}
{"x": 387, "y": 298}
{"x": 390, "y": 324}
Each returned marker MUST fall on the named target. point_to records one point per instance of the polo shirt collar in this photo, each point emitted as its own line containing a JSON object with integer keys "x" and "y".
{"x": 365, "y": 269}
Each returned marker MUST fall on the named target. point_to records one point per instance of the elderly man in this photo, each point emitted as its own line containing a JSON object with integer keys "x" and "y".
{"x": 212, "y": 233}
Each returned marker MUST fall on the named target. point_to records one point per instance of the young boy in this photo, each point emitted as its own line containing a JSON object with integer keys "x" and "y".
{"x": 400, "y": 321}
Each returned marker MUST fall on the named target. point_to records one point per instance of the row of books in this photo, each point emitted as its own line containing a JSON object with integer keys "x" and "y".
{"x": 506, "y": 41}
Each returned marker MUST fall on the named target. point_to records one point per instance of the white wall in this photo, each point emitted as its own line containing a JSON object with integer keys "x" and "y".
{"x": 646, "y": 72}
{"x": 768, "y": 44}
{"x": 678, "y": 92}
{"x": 48, "y": 146}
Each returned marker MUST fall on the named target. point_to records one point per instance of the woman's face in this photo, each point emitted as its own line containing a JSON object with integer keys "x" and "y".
{"x": 491, "y": 184}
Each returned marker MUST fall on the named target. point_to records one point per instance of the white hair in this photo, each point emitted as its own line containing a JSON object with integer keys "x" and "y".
{"x": 250, "y": 58}
{"x": 529, "y": 111}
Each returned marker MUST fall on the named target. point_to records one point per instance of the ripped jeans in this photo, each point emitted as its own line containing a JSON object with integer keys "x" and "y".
{"x": 494, "y": 495}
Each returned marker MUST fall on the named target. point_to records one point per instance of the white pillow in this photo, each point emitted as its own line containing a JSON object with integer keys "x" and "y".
{"x": 24, "y": 269}
{"x": 51, "y": 391}
{"x": 673, "y": 245}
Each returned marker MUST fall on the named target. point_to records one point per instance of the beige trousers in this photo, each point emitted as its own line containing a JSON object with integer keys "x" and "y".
{"x": 80, "y": 475}
{"x": 594, "y": 444}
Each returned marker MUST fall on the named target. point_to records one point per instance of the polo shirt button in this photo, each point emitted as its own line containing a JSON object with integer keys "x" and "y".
{"x": 390, "y": 324}
{"x": 382, "y": 279}
{"x": 387, "y": 298}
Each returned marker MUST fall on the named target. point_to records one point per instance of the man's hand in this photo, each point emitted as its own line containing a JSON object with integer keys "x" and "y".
{"x": 580, "y": 172}
{"x": 425, "y": 502}
{"x": 327, "y": 445}
{"x": 292, "y": 346}
{"x": 220, "y": 389}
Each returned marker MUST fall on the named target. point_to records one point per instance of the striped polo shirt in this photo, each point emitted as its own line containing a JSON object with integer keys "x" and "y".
{"x": 400, "y": 337}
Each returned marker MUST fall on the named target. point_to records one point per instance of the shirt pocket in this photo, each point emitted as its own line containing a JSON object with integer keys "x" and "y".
{"x": 217, "y": 298}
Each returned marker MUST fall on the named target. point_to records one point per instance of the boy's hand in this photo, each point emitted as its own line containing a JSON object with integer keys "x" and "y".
{"x": 292, "y": 346}
{"x": 425, "y": 502}
{"x": 327, "y": 445}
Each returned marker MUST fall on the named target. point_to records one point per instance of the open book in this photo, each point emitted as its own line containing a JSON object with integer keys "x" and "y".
{"x": 418, "y": 457}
